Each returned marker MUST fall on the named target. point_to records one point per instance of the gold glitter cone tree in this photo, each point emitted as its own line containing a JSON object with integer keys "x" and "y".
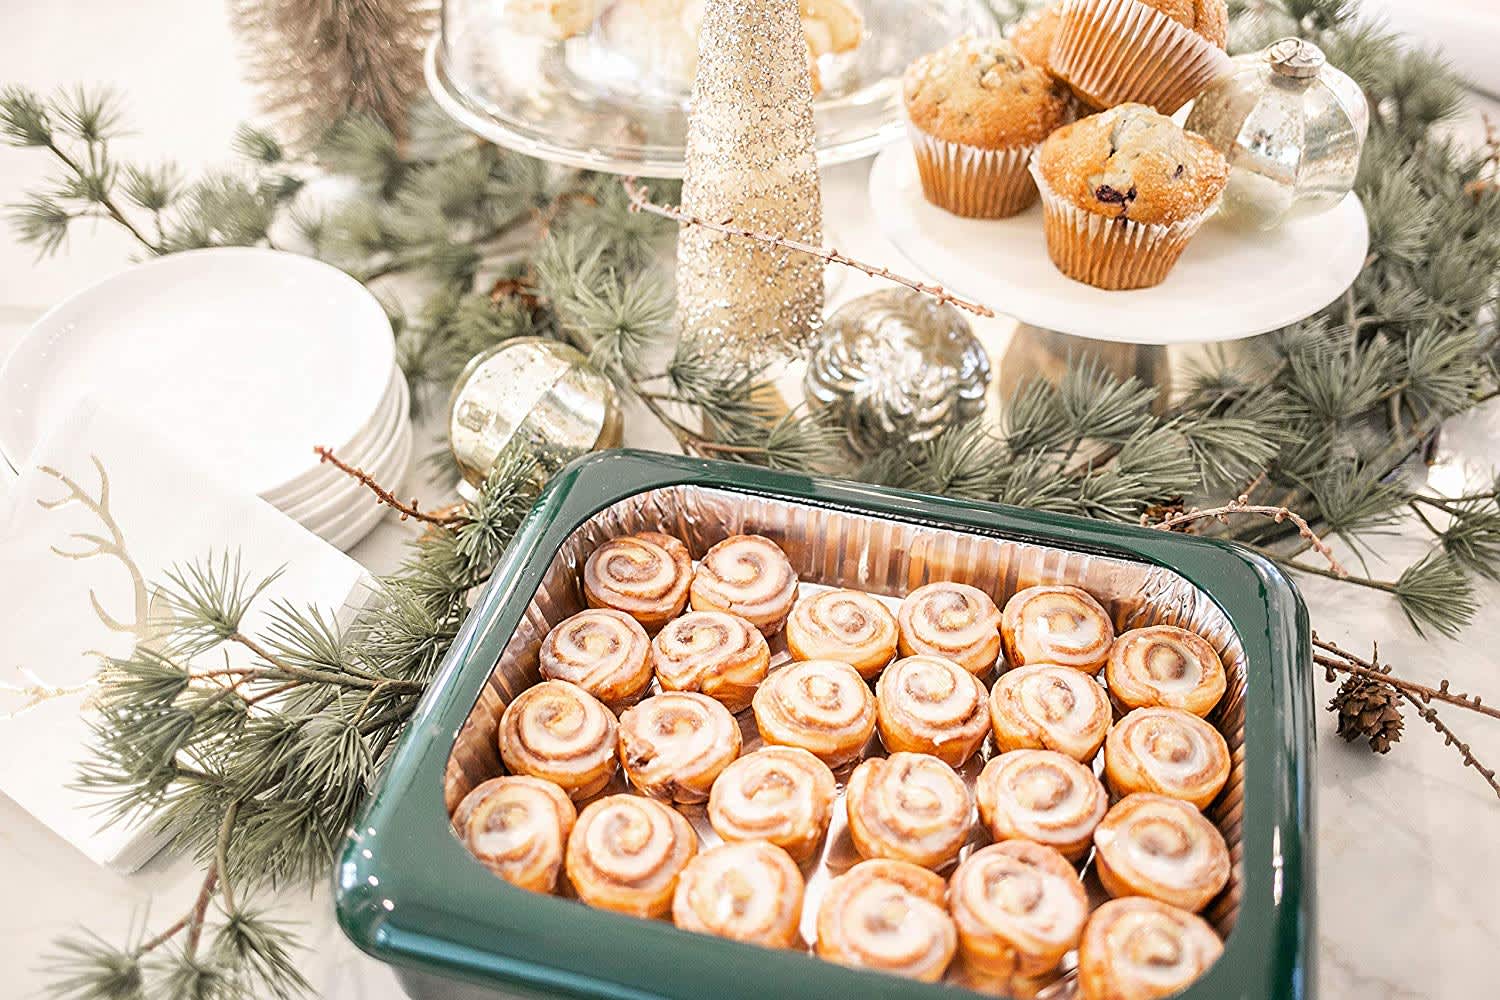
{"x": 750, "y": 159}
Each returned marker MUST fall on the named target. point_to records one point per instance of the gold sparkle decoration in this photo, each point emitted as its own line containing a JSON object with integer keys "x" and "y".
{"x": 750, "y": 159}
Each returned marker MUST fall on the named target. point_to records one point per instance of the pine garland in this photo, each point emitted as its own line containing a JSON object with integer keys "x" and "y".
{"x": 258, "y": 767}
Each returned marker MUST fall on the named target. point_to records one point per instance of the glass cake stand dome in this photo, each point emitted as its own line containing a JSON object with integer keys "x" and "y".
{"x": 604, "y": 84}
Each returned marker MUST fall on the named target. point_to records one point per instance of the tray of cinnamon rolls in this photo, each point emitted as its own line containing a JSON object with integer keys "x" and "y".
{"x": 715, "y": 730}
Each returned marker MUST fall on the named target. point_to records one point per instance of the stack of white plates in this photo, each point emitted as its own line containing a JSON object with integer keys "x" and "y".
{"x": 248, "y": 359}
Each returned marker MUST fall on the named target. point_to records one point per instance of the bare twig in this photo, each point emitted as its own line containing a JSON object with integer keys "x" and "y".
{"x": 193, "y": 917}
{"x": 1241, "y": 505}
{"x": 640, "y": 201}
{"x": 1419, "y": 695}
{"x": 385, "y": 496}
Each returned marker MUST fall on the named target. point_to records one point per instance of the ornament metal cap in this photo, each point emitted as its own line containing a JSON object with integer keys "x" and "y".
{"x": 1295, "y": 58}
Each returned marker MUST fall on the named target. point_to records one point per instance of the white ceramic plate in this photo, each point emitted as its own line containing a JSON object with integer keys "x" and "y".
{"x": 378, "y": 432}
{"x": 1229, "y": 284}
{"x": 247, "y": 357}
{"x": 325, "y": 480}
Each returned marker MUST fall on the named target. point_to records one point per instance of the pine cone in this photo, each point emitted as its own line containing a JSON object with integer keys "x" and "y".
{"x": 1369, "y": 709}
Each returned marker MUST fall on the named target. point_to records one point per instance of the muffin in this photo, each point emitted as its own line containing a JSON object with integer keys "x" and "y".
{"x": 1032, "y": 36}
{"x": 1123, "y": 192}
{"x": 1156, "y": 52}
{"x": 976, "y": 110}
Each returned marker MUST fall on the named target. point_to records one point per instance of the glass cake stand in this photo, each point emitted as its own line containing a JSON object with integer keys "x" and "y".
{"x": 613, "y": 95}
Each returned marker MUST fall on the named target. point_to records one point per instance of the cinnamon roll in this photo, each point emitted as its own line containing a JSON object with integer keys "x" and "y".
{"x": 887, "y": 915}
{"x": 674, "y": 745}
{"x": 560, "y": 732}
{"x": 1140, "y": 949}
{"x": 1044, "y": 796}
{"x": 713, "y": 652}
{"x": 1151, "y": 845}
{"x": 1019, "y": 907}
{"x": 909, "y": 807}
{"x": 516, "y": 826}
{"x": 645, "y": 575}
{"x": 1167, "y": 751}
{"x": 1047, "y": 707}
{"x": 626, "y": 854}
{"x": 927, "y": 704}
{"x": 1164, "y": 666}
{"x": 954, "y": 621}
{"x": 822, "y": 706}
{"x": 782, "y": 795}
{"x": 1062, "y": 625}
{"x": 602, "y": 651}
{"x": 746, "y": 575}
{"x": 746, "y": 892}
{"x": 843, "y": 625}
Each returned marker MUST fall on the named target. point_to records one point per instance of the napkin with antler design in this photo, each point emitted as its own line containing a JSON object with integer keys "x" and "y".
{"x": 98, "y": 516}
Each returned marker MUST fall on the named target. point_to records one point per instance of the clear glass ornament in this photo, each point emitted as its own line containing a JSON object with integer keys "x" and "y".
{"x": 896, "y": 366}
{"x": 1292, "y": 128}
{"x": 532, "y": 396}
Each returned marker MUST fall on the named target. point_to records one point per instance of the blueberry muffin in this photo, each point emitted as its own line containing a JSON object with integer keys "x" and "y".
{"x": 976, "y": 111}
{"x": 1032, "y": 36}
{"x": 1123, "y": 192}
{"x": 1160, "y": 53}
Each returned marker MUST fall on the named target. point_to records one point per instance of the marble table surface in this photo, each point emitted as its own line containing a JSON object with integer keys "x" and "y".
{"x": 1408, "y": 845}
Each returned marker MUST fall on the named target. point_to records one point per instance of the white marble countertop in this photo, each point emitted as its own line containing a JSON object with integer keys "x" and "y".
{"x": 1408, "y": 845}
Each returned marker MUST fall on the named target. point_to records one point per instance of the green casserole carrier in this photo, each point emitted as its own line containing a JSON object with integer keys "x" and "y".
{"x": 409, "y": 892}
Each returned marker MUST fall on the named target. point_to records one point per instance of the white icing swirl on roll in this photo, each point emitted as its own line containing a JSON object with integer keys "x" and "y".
{"x": 674, "y": 745}
{"x": 645, "y": 575}
{"x": 783, "y": 795}
{"x": 822, "y": 706}
{"x": 1151, "y": 845}
{"x": 746, "y": 575}
{"x": 1165, "y": 666}
{"x": 558, "y": 731}
{"x": 603, "y": 651}
{"x": 1046, "y": 707}
{"x": 1062, "y": 625}
{"x": 516, "y": 826}
{"x": 747, "y": 892}
{"x": 1169, "y": 752}
{"x": 1044, "y": 796}
{"x": 926, "y": 704}
{"x": 845, "y": 625}
{"x": 1139, "y": 948}
{"x": 626, "y": 854}
{"x": 1019, "y": 907}
{"x": 908, "y": 807}
{"x": 954, "y": 621}
{"x": 887, "y": 915}
{"x": 714, "y": 652}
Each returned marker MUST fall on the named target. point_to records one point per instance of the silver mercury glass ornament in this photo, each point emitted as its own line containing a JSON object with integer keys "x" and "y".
{"x": 895, "y": 366}
{"x": 532, "y": 395}
{"x": 1292, "y": 128}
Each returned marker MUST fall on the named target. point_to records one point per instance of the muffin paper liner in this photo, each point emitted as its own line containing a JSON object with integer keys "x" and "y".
{"x": 1117, "y": 51}
{"x": 1108, "y": 252}
{"x": 973, "y": 182}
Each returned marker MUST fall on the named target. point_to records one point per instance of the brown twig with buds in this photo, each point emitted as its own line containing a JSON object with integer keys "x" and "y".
{"x": 1419, "y": 695}
{"x": 640, "y": 201}
{"x": 1242, "y": 505}
{"x": 385, "y": 496}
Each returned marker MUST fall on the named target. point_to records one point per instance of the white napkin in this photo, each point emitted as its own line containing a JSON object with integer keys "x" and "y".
{"x": 98, "y": 515}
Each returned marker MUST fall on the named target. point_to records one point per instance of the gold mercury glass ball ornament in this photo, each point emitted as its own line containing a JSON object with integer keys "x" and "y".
{"x": 535, "y": 396}
{"x": 1292, "y": 128}
{"x": 895, "y": 366}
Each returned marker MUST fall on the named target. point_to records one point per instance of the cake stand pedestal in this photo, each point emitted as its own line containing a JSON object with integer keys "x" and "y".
{"x": 1229, "y": 284}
